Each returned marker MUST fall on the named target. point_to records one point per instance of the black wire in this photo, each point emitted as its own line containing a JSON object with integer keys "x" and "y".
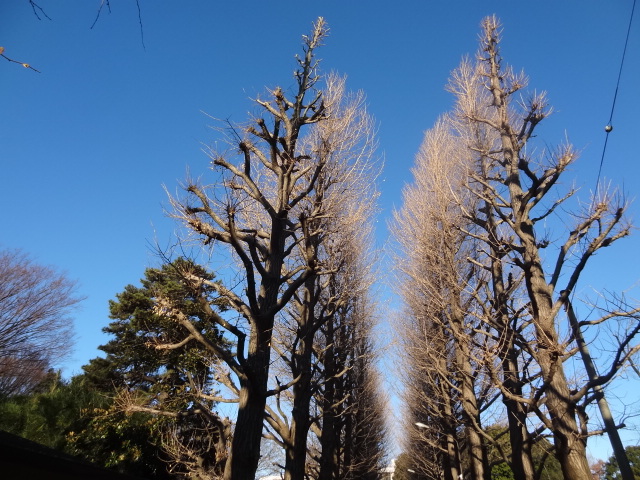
{"x": 615, "y": 95}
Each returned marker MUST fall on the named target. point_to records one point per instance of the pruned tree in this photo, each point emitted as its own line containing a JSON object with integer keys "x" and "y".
{"x": 345, "y": 397}
{"x": 262, "y": 210}
{"x": 344, "y": 360}
{"x": 433, "y": 437}
{"x": 350, "y": 420}
{"x": 523, "y": 336}
{"x": 363, "y": 416}
{"x": 499, "y": 300}
{"x": 35, "y": 324}
{"x": 445, "y": 387}
{"x": 338, "y": 237}
{"x": 515, "y": 187}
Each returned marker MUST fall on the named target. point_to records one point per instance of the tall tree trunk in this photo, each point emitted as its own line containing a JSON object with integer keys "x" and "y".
{"x": 519, "y": 437}
{"x": 475, "y": 445}
{"x": 452, "y": 455}
{"x": 570, "y": 446}
{"x": 328, "y": 437}
{"x": 569, "y": 442}
{"x": 471, "y": 414}
{"x": 296, "y": 453}
{"x": 245, "y": 448}
{"x": 607, "y": 418}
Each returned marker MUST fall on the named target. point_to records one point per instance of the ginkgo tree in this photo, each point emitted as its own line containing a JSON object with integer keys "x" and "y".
{"x": 275, "y": 206}
{"x": 479, "y": 236}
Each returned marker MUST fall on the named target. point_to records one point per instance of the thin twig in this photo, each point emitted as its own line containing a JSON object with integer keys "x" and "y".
{"x": 140, "y": 22}
{"x": 102, "y": 4}
{"x": 106, "y": 3}
{"x": 35, "y": 6}
{"x": 25, "y": 65}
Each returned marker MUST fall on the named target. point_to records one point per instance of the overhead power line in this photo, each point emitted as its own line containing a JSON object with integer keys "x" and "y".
{"x": 609, "y": 127}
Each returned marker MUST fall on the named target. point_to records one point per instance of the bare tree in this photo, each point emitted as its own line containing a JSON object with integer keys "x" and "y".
{"x": 35, "y": 327}
{"x": 349, "y": 407}
{"x": 22, "y": 372}
{"x": 338, "y": 234}
{"x": 514, "y": 185}
{"x": 440, "y": 288}
{"x": 499, "y": 304}
{"x": 495, "y": 203}
{"x": 433, "y": 437}
{"x": 265, "y": 209}
{"x": 348, "y": 418}
{"x": 364, "y": 421}
{"x": 196, "y": 444}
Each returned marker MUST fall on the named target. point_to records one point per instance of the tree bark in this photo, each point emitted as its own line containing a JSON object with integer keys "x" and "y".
{"x": 296, "y": 453}
{"x": 570, "y": 446}
{"x": 245, "y": 448}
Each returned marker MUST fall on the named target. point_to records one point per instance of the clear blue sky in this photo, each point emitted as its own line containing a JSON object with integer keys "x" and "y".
{"x": 86, "y": 145}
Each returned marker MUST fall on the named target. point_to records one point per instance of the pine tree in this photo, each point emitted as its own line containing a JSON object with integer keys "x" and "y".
{"x": 159, "y": 403}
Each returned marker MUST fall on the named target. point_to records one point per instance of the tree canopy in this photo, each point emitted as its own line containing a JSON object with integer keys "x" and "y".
{"x": 36, "y": 328}
{"x": 160, "y": 394}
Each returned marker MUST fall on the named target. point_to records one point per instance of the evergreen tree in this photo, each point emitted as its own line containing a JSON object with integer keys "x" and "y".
{"x": 46, "y": 414}
{"x": 612, "y": 471}
{"x": 155, "y": 400}
{"x": 132, "y": 361}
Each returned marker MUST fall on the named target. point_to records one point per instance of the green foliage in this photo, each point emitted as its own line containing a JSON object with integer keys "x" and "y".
{"x": 612, "y": 471}
{"x": 165, "y": 382}
{"x": 45, "y": 415}
{"x": 502, "y": 471}
{"x": 75, "y": 418}
{"x": 546, "y": 465}
{"x": 124, "y": 442}
{"x": 85, "y": 416}
{"x": 132, "y": 360}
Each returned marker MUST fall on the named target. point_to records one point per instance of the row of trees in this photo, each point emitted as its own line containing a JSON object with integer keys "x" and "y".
{"x": 284, "y": 333}
{"x": 490, "y": 334}
{"x": 154, "y": 412}
{"x": 287, "y": 210}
